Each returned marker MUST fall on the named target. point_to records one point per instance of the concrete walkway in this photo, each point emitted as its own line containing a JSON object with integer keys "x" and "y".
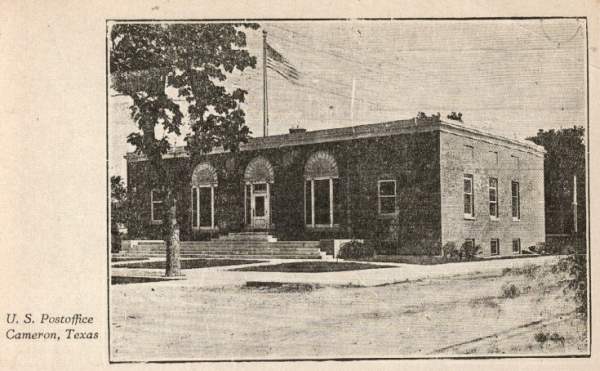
{"x": 215, "y": 277}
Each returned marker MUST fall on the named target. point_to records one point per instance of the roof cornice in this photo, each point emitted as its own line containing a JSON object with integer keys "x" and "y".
{"x": 384, "y": 129}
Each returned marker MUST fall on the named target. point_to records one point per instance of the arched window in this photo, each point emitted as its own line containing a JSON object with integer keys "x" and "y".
{"x": 258, "y": 178}
{"x": 204, "y": 183}
{"x": 321, "y": 190}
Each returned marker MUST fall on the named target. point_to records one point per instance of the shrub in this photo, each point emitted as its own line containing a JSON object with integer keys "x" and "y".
{"x": 510, "y": 291}
{"x": 449, "y": 250}
{"x": 356, "y": 250}
{"x": 540, "y": 337}
{"x": 557, "y": 338}
{"x": 468, "y": 251}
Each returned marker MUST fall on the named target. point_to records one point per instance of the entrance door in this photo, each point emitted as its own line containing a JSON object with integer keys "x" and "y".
{"x": 260, "y": 206}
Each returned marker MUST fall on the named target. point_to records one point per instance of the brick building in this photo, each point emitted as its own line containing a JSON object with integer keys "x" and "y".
{"x": 412, "y": 184}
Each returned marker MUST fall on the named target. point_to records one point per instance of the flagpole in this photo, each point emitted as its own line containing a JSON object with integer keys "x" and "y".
{"x": 265, "y": 99}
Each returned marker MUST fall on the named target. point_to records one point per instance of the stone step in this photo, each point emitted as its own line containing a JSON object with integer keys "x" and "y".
{"x": 199, "y": 256}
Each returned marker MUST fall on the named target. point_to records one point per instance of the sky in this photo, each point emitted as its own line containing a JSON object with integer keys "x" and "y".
{"x": 510, "y": 77}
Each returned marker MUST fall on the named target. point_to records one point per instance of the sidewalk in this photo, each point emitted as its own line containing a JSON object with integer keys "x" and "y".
{"x": 223, "y": 276}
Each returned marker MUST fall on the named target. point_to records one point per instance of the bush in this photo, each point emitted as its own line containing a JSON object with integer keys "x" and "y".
{"x": 468, "y": 251}
{"x": 510, "y": 291}
{"x": 356, "y": 250}
{"x": 450, "y": 251}
{"x": 540, "y": 337}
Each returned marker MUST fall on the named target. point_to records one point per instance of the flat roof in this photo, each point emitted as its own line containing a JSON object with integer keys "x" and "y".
{"x": 382, "y": 129}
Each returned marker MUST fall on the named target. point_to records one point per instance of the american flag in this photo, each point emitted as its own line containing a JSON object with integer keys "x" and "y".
{"x": 279, "y": 64}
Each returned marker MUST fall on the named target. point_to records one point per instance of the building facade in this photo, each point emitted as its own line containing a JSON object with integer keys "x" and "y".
{"x": 413, "y": 185}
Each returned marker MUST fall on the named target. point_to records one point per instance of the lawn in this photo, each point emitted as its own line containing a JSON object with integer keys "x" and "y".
{"x": 430, "y": 260}
{"x": 122, "y": 280}
{"x": 116, "y": 259}
{"x": 475, "y": 314}
{"x": 313, "y": 267}
{"x": 190, "y": 263}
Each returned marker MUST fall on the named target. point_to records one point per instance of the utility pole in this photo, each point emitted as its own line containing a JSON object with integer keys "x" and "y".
{"x": 574, "y": 204}
{"x": 265, "y": 99}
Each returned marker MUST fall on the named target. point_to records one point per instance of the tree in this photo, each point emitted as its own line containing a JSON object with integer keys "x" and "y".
{"x": 118, "y": 200}
{"x": 565, "y": 158}
{"x": 194, "y": 60}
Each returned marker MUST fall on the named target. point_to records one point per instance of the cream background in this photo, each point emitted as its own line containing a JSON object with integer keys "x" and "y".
{"x": 53, "y": 213}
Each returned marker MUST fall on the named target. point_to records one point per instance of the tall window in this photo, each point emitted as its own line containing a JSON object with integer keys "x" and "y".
{"x": 469, "y": 152}
{"x": 320, "y": 196}
{"x": 495, "y": 246}
{"x": 321, "y": 190}
{"x": 204, "y": 183}
{"x": 387, "y": 196}
{"x": 516, "y": 246}
{"x": 469, "y": 207}
{"x": 203, "y": 208}
{"x": 516, "y": 200}
{"x": 156, "y": 211}
{"x": 493, "y": 187}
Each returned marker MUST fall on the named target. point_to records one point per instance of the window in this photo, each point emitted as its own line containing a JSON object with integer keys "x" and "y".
{"x": 493, "y": 158}
{"x": 387, "y": 196}
{"x": 204, "y": 183}
{"x": 495, "y": 246}
{"x": 515, "y": 162}
{"x": 493, "y": 198}
{"x": 469, "y": 152}
{"x": 469, "y": 209}
{"x": 320, "y": 201}
{"x": 156, "y": 211}
{"x": 516, "y": 201}
{"x": 516, "y": 246}
{"x": 203, "y": 210}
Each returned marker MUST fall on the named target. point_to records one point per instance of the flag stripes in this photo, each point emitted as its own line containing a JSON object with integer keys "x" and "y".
{"x": 279, "y": 64}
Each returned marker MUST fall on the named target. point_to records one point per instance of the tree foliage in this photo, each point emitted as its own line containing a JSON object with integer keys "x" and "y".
{"x": 194, "y": 59}
{"x": 565, "y": 158}
{"x": 147, "y": 63}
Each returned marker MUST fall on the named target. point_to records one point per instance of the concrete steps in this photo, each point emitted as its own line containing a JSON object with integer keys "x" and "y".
{"x": 251, "y": 245}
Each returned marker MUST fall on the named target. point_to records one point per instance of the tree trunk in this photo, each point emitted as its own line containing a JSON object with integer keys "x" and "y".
{"x": 171, "y": 231}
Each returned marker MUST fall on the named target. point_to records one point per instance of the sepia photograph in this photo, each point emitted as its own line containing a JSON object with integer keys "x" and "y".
{"x": 347, "y": 189}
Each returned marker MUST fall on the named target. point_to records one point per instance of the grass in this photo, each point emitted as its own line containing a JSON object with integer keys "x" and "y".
{"x": 431, "y": 260}
{"x": 280, "y": 287}
{"x": 313, "y": 267}
{"x": 191, "y": 263}
{"x": 115, "y": 259}
{"x": 121, "y": 280}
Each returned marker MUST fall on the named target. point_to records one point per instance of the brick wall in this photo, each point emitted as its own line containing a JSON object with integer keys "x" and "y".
{"x": 410, "y": 159}
{"x": 464, "y": 155}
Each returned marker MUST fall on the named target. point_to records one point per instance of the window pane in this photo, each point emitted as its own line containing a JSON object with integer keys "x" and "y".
{"x": 157, "y": 211}
{"x": 468, "y": 185}
{"x": 492, "y": 195}
{"x": 260, "y": 188}
{"x": 516, "y": 245}
{"x": 493, "y": 209}
{"x": 308, "y": 202}
{"x": 322, "y": 201}
{"x": 338, "y": 202}
{"x": 259, "y": 206}
{"x": 468, "y": 204}
{"x": 387, "y": 188}
{"x": 205, "y": 212}
{"x": 494, "y": 246}
{"x": 388, "y": 205}
{"x": 493, "y": 182}
{"x": 195, "y": 207}
{"x": 248, "y": 204}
